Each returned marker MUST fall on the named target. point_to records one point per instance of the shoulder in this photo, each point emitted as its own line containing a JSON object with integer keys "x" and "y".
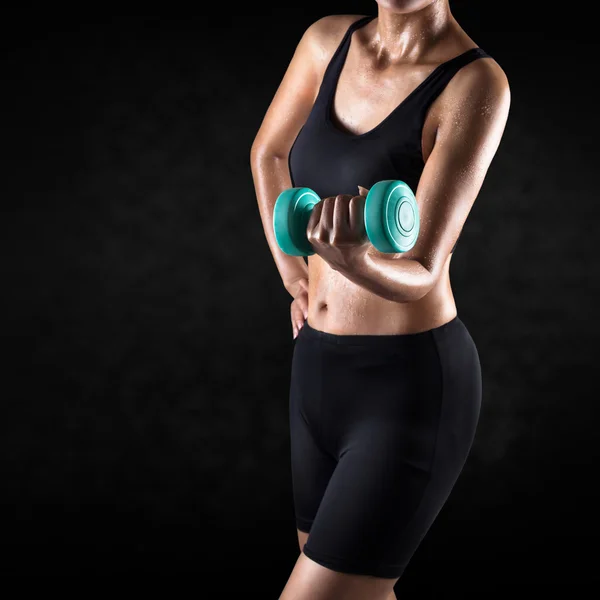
{"x": 331, "y": 27}
{"x": 324, "y": 35}
{"x": 482, "y": 85}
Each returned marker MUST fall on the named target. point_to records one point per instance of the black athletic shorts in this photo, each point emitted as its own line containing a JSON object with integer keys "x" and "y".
{"x": 380, "y": 428}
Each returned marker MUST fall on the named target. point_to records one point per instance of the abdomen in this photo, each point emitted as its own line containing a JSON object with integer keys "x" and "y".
{"x": 337, "y": 305}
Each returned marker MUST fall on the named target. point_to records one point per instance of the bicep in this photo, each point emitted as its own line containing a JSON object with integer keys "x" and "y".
{"x": 473, "y": 117}
{"x": 293, "y": 99}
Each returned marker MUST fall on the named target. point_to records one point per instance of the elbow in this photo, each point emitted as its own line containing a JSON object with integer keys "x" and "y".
{"x": 412, "y": 294}
{"x": 417, "y": 289}
{"x": 256, "y": 151}
{"x": 259, "y": 151}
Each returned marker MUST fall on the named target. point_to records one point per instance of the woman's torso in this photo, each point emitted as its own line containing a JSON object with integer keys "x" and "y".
{"x": 333, "y": 154}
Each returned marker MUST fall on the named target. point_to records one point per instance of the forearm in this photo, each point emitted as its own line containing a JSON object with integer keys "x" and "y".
{"x": 271, "y": 176}
{"x": 399, "y": 279}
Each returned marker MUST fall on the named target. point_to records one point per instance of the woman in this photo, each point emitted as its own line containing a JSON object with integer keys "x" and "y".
{"x": 386, "y": 384}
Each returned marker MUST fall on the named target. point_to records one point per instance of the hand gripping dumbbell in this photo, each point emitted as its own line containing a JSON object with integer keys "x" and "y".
{"x": 391, "y": 217}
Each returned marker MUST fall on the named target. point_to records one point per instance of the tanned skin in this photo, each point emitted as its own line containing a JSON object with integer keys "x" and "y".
{"x": 349, "y": 287}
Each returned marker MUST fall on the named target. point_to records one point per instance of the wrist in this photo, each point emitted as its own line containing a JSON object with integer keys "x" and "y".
{"x": 296, "y": 286}
{"x": 356, "y": 260}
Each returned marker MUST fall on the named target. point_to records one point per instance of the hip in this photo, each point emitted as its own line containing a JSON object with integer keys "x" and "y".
{"x": 401, "y": 382}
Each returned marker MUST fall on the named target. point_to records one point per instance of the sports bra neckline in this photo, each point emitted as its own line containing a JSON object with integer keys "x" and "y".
{"x": 340, "y": 58}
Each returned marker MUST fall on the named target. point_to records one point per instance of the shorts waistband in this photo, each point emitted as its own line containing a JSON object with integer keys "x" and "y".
{"x": 378, "y": 340}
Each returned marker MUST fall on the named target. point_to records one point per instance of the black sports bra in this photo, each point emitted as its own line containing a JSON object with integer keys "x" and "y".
{"x": 331, "y": 161}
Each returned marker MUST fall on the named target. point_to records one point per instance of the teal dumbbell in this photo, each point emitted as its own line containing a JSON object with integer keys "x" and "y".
{"x": 391, "y": 218}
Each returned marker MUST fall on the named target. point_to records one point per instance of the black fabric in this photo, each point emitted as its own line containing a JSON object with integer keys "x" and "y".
{"x": 332, "y": 161}
{"x": 380, "y": 428}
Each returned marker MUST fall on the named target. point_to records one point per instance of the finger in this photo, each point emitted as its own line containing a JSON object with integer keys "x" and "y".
{"x": 356, "y": 212}
{"x": 314, "y": 219}
{"x": 363, "y": 191}
{"x": 341, "y": 221}
{"x": 299, "y": 307}
{"x": 326, "y": 222}
{"x": 297, "y": 320}
{"x": 294, "y": 328}
{"x": 303, "y": 310}
{"x": 303, "y": 307}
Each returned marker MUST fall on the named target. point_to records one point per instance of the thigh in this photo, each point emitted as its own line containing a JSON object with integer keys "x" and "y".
{"x": 372, "y": 515}
{"x": 302, "y": 537}
{"x": 312, "y": 581}
{"x": 390, "y": 433}
{"x": 404, "y": 426}
{"x": 382, "y": 408}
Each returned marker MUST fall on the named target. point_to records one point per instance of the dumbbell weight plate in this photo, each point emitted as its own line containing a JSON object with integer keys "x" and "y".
{"x": 391, "y": 216}
{"x": 291, "y": 213}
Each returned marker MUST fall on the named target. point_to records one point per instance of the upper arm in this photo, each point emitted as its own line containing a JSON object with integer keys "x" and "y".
{"x": 299, "y": 86}
{"x": 473, "y": 112}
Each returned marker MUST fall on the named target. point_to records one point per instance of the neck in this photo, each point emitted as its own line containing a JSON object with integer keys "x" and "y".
{"x": 410, "y": 36}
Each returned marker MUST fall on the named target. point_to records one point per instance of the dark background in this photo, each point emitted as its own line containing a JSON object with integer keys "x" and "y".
{"x": 146, "y": 335}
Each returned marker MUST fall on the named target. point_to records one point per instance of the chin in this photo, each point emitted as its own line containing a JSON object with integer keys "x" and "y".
{"x": 404, "y": 6}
